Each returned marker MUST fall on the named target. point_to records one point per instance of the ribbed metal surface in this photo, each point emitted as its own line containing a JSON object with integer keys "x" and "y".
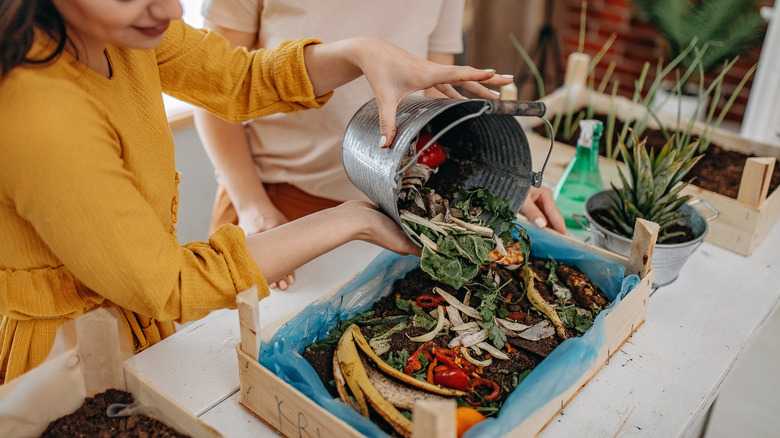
{"x": 668, "y": 259}
{"x": 496, "y": 143}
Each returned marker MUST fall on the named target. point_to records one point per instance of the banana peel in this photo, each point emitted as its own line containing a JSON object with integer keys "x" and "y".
{"x": 362, "y": 343}
{"x": 357, "y": 380}
{"x": 543, "y": 306}
{"x": 351, "y": 370}
{"x": 341, "y": 385}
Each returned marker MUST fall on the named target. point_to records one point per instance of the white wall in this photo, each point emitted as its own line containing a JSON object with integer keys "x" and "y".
{"x": 762, "y": 115}
{"x": 197, "y": 188}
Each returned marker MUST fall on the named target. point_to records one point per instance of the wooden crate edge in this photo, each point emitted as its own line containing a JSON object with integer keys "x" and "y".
{"x": 624, "y": 321}
{"x": 289, "y": 411}
{"x": 173, "y": 414}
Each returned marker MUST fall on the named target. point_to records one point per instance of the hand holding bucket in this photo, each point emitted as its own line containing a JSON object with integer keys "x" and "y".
{"x": 483, "y": 132}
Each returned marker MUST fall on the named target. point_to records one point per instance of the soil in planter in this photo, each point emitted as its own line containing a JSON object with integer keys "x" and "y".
{"x": 90, "y": 421}
{"x": 719, "y": 171}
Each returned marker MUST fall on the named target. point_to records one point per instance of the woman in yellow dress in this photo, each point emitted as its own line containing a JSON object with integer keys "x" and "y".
{"x": 88, "y": 185}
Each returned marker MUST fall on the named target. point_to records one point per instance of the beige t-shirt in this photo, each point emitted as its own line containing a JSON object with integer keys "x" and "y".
{"x": 304, "y": 148}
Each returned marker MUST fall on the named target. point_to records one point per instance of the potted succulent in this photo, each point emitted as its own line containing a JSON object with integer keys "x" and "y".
{"x": 720, "y": 30}
{"x": 652, "y": 190}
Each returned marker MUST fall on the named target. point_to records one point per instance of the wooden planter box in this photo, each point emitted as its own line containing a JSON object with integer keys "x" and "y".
{"x": 286, "y": 409}
{"x": 92, "y": 363}
{"x": 742, "y": 224}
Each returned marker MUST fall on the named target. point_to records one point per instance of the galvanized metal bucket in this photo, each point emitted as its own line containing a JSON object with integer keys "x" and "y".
{"x": 483, "y": 131}
{"x": 668, "y": 258}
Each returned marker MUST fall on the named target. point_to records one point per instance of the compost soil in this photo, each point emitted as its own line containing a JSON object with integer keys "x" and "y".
{"x": 525, "y": 355}
{"x": 90, "y": 421}
{"x": 719, "y": 171}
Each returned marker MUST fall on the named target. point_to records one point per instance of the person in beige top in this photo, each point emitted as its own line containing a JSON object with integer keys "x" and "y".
{"x": 286, "y": 166}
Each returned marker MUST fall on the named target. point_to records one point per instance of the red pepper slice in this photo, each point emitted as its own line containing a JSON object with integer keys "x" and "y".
{"x": 479, "y": 386}
{"x": 434, "y": 156}
{"x": 489, "y": 385}
{"x": 413, "y": 363}
{"x": 428, "y": 301}
{"x": 516, "y": 316}
{"x": 452, "y": 377}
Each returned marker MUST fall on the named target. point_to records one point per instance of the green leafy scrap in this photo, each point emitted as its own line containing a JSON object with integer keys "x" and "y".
{"x": 398, "y": 359}
{"x": 501, "y": 218}
{"x": 489, "y": 293}
{"x": 334, "y": 335}
{"x": 419, "y": 317}
{"x": 573, "y": 319}
{"x": 560, "y": 291}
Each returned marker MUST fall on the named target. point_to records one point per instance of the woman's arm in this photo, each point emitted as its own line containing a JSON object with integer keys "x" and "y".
{"x": 228, "y": 148}
{"x": 392, "y": 73}
{"x": 284, "y": 248}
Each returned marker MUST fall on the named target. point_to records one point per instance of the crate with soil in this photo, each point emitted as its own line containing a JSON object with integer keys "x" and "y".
{"x": 84, "y": 389}
{"x": 397, "y": 353}
{"x": 737, "y": 176}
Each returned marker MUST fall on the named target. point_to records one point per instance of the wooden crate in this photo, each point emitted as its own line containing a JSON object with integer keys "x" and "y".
{"x": 288, "y": 411}
{"x": 742, "y": 223}
{"x": 91, "y": 362}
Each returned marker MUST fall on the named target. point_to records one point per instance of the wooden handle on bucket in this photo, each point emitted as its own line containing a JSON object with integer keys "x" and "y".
{"x": 516, "y": 108}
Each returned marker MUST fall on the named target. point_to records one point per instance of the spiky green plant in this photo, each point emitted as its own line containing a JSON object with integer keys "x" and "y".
{"x": 652, "y": 189}
{"x": 724, "y": 28}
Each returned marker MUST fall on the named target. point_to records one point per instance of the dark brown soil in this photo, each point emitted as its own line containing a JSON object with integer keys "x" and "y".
{"x": 525, "y": 355}
{"x": 719, "y": 171}
{"x": 90, "y": 421}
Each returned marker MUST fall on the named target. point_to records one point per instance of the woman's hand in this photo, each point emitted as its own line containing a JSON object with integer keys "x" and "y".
{"x": 393, "y": 73}
{"x": 540, "y": 208}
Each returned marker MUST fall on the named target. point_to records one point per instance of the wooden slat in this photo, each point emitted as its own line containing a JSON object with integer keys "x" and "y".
{"x": 283, "y": 407}
{"x": 577, "y": 66}
{"x": 642, "y": 246}
{"x": 756, "y": 177}
{"x": 98, "y": 334}
{"x": 165, "y": 408}
{"x": 434, "y": 419}
{"x": 249, "y": 320}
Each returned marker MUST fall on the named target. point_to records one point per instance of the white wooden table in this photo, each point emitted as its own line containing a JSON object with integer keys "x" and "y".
{"x": 661, "y": 383}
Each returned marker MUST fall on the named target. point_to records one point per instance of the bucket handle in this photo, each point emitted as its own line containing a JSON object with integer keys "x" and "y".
{"x": 525, "y": 109}
{"x": 436, "y": 137}
{"x": 583, "y": 221}
{"x": 715, "y": 212}
{"x": 496, "y": 107}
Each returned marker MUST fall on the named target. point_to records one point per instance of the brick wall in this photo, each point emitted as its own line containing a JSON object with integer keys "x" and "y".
{"x": 636, "y": 43}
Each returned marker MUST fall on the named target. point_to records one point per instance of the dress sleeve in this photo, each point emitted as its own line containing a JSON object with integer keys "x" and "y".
{"x": 200, "y": 67}
{"x": 63, "y": 170}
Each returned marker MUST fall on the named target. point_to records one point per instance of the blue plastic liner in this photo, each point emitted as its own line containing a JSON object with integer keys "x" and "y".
{"x": 556, "y": 373}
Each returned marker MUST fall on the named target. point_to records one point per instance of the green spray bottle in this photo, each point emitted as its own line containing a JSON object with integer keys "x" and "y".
{"x": 581, "y": 179}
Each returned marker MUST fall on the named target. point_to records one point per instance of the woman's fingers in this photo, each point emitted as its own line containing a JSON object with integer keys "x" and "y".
{"x": 443, "y": 78}
{"x": 284, "y": 282}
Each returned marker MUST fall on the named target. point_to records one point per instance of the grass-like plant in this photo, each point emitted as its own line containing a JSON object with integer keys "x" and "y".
{"x": 724, "y": 28}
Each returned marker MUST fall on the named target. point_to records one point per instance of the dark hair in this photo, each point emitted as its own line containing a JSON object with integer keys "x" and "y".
{"x": 18, "y": 20}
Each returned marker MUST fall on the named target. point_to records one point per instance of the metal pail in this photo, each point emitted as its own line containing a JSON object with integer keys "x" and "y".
{"x": 482, "y": 131}
{"x": 668, "y": 258}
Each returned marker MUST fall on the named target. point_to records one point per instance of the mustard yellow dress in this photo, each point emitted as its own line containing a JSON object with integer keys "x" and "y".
{"x": 88, "y": 187}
